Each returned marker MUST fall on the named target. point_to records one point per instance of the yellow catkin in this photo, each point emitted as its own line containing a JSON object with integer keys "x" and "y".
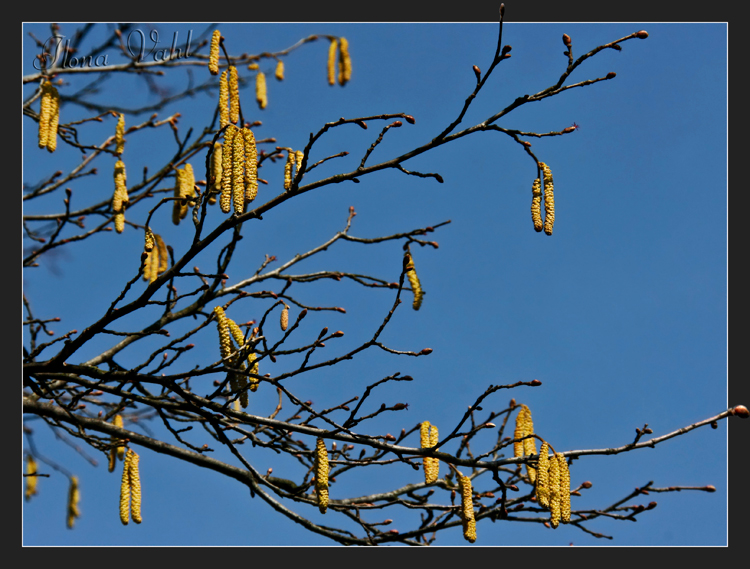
{"x": 280, "y": 70}
{"x": 119, "y": 135}
{"x": 234, "y": 95}
{"x": 223, "y": 99}
{"x": 152, "y": 263}
{"x": 120, "y": 198}
{"x": 321, "y": 475}
{"x": 261, "y": 94}
{"x": 345, "y": 62}
{"x": 285, "y": 318}
{"x": 163, "y": 256}
{"x": 216, "y": 167}
{"x": 253, "y": 366}
{"x": 149, "y": 240}
{"x": 54, "y": 119}
{"x": 238, "y": 173}
{"x": 74, "y": 496}
{"x": 31, "y": 478}
{"x": 467, "y": 509}
{"x": 298, "y": 156}
{"x": 135, "y": 487}
{"x": 332, "y": 61}
{"x": 519, "y": 431}
{"x": 117, "y": 422}
{"x": 536, "y": 204}
{"x": 554, "y": 492}
{"x": 434, "y": 462}
{"x": 225, "y": 335}
{"x": 416, "y": 287}
{"x": 424, "y": 439}
{"x": 549, "y": 200}
{"x": 45, "y": 110}
{"x": 213, "y": 55}
{"x": 564, "y": 488}
{"x": 290, "y": 161}
{"x": 251, "y": 165}
{"x": 226, "y": 167}
{"x": 542, "y": 477}
{"x": 529, "y": 444}
{"x": 125, "y": 491}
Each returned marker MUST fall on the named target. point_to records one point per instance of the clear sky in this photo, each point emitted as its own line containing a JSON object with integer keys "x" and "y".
{"x": 621, "y": 313}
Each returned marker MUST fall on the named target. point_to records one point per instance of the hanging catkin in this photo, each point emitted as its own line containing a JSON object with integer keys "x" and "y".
{"x": 416, "y": 287}
{"x": 321, "y": 475}
{"x": 238, "y": 172}
{"x": 542, "y": 476}
{"x": 213, "y": 57}
{"x": 332, "y": 61}
{"x": 31, "y": 477}
{"x": 74, "y": 497}
{"x": 564, "y": 488}
{"x": 280, "y": 70}
{"x": 119, "y": 135}
{"x": 234, "y": 95}
{"x": 549, "y": 200}
{"x": 345, "y": 62}
{"x": 536, "y": 204}
{"x": 223, "y": 99}
{"x": 467, "y": 509}
{"x": 120, "y": 198}
{"x": 226, "y": 169}
{"x": 251, "y": 166}
{"x": 261, "y": 94}
{"x": 554, "y": 492}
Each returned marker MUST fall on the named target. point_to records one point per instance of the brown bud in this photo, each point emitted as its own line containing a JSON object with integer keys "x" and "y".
{"x": 409, "y": 119}
{"x": 741, "y": 411}
{"x": 396, "y": 123}
{"x": 425, "y": 351}
{"x": 611, "y": 75}
{"x": 339, "y": 309}
{"x": 337, "y": 334}
{"x": 390, "y": 437}
{"x": 710, "y": 488}
{"x": 643, "y": 34}
{"x": 651, "y": 505}
{"x": 477, "y": 72}
{"x": 586, "y": 484}
{"x": 566, "y": 40}
{"x": 506, "y": 50}
{"x": 535, "y": 382}
{"x": 361, "y": 123}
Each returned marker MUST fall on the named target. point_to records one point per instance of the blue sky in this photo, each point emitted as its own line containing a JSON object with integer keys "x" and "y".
{"x": 621, "y": 313}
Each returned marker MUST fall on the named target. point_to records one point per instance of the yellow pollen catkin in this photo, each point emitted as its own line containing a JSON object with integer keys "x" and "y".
{"x": 225, "y": 335}
{"x": 213, "y": 56}
{"x": 542, "y": 477}
{"x": 31, "y": 479}
{"x": 149, "y": 241}
{"x": 234, "y": 95}
{"x": 554, "y": 492}
{"x": 54, "y": 119}
{"x": 253, "y": 366}
{"x": 536, "y": 204}
{"x": 125, "y": 491}
{"x": 564, "y": 488}
{"x": 223, "y": 99}
{"x": 434, "y": 462}
{"x": 285, "y": 318}
{"x": 529, "y": 444}
{"x": 332, "y": 61}
{"x": 424, "y": 439}
{"x": 298, "y": 156}
{"x": 290, "y": 161}
{"x": 280, "y": 70}
{"x": 74, "y": 497}
{"x": 45, "y": 111}
{"x": 120, "y": 198}
{"x": 321, "y": 475}
{"x": 467, "y": 509}
{"x": 549, "y": 200}
{"x": 216, "y": 167}
{"x": 251, "y": 166}
{"x": 135, "y": 488}
{"x": 345, "y": 62}
{"x": 519, "y": 431}
{"x": 416, "y": 287}
{"x": 119, "y": 135}
{"x": 261, "y": 94}
{"x": 163, "y": 264}
{"x": 226, "y": 168}
{"x": 238, "y": 173}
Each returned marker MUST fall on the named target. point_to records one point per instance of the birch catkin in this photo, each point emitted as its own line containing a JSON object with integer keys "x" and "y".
{"x": 251, "y": 165}
{"x": 536, "y": 204}
{"x": 564, "y": 488}
{"x": 125, "y": 492}
{"x": 225, "y": 201}
{"x": 542, "y": 476}
{"x": 428, "y": 436}
{"x": 120, "y": 198}
{"x": 119, "y": 135}
{"x": 549, "y": 200}
{"x": 31, "y": 478}
{"x": 321, "y": 475}
{"x": 163, "y": 263}
{"x": 285, "y": 318}
{"x": 213, "y": 57}
{"x": 238, "y": 173}
{"x": 45, "y": 111}
{"x": 74, "y": 497}
{"x": 135, "y": 488}
{"x": 345, "y": 62}
{"x": 261, "y": 94}
{"x": 234, "y": 95}
{"x": 290, "y": 161}
{"x": 416, "y": 287}
{"x": 216, "y": 170}
{"x": 280, "y": 70}
{"x": 222, "y": 325}
{"x": 467, "y": 509}
{"x": 54, "y": 119}
{"x": 223, "y": 99}
{"x": 554, "y": 492}
{"x": 332, "y": 61}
